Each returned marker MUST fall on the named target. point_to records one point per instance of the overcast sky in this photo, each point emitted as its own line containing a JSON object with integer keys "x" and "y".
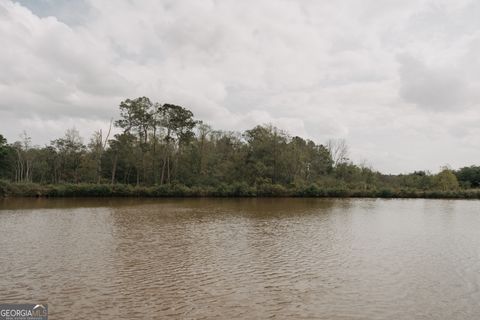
{"x": 398, "y": 79}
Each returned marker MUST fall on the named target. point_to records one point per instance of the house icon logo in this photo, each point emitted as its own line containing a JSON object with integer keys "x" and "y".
{"x": 40, "y": 311}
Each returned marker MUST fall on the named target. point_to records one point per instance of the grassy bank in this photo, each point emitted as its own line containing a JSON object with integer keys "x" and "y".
{"x": 8, "y": 189}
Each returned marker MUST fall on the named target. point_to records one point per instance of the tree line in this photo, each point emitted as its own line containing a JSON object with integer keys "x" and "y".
{"x": 164, "y": 145}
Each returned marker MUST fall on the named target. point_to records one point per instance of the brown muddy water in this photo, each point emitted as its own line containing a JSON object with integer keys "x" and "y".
{"x": 242, "y": 258}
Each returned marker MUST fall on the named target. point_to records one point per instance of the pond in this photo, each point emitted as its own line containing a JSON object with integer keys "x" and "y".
{"x": 242, "y": 258}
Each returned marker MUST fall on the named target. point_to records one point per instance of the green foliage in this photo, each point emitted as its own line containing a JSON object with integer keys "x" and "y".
{"x": 445, "y": 180}
{"x": 136, "y": 116}
{"x": 3, "y": 147}
{"x": 4, "y": 188}
{"x": 162, "y": 151}
{"x": 272, "y": 190}
{"x": 67, "y": 155}
{"x": 5, "y": 155}
{"x": 178, "y": 122}
{"x": 469, "y": 176}
{"x": 312, "y": 190}
{"x": 222, "y": 190}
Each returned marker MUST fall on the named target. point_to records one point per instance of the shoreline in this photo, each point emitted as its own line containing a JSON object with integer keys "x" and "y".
{"x": 34, "y": 190}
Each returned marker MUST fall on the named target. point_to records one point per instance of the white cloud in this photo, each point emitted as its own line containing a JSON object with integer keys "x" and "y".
{"x": 399, "y": 79}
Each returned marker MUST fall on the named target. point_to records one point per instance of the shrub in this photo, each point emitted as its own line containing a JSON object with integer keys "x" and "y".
{"x": 271, "y": 190}
{"x": 312, "y": 190}
{"x": 3, "y": 188}
{"x": 385, "y": 193}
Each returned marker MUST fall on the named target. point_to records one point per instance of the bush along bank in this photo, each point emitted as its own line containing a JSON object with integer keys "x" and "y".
{"x": 8, "y": 189}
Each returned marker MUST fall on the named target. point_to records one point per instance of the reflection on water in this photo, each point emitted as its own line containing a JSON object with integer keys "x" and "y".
{"x": 242, "y": 258}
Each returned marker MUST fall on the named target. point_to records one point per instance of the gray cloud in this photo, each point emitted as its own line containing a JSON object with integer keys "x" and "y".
{"x": 399, "y": 79}
{"x": 439, "y": 89}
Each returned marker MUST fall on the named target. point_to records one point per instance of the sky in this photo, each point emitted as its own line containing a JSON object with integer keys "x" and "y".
{"x": 398, "y": 79}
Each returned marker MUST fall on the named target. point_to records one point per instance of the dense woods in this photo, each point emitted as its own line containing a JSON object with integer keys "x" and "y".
{"x": 162, "y": 150}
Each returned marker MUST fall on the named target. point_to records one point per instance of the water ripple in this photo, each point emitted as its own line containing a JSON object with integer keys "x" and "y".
{"x": 243, "y": 258}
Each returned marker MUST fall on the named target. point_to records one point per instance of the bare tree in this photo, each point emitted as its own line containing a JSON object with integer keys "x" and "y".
{"x": 98, "y": 146}
{"x": 203, "y": 131}
{"x": 23, "y": 167}
{"x": 338, "y": 149}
